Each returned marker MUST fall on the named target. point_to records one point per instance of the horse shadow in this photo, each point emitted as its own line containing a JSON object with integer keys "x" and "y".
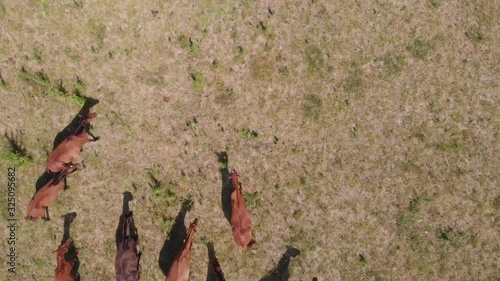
{"x": 73, "y": 125}
{"x": 280, "y": 271}
{"x": 127, "y": 197}
{"x": 211, "y": 275}
{"x": 227, "y": 188}
{"x": 175, "y": 239}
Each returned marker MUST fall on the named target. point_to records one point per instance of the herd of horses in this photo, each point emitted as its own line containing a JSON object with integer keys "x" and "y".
{"x": 60, "y": 165}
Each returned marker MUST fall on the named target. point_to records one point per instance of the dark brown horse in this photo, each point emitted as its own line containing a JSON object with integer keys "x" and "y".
{"x": 180, "y": 268}
{"x": 64, "y": 268}
{"x": 127, "y": 258}
{"x": 47, "y": 195}
{"x": 240, "y": 217}
{"x": 69, "y": 150}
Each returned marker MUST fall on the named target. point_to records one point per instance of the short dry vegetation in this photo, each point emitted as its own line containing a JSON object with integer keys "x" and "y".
{"x": 365, "y": 133}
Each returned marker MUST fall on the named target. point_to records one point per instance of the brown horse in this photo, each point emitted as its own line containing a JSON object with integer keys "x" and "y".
{"x": 64, "y": 267}
{"x": 240, "y": 217}
{"x": 127, "y": 258}
{"x": 69, "y": 150}
{"x": 180, "y": 268}
{"x": 47, "y": 195}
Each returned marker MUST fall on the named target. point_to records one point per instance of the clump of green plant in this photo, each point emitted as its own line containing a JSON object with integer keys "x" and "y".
{"x": 419, "y": 48}
{"x": 353, "y": 83}
{"x": 161, "y": 191}
{"x": 164, "y": 192}
{"x": 216, "y": 64}
{"x": 3, "y": 84}
{"x": 97, "y": 30}
{"x": 240, "y": 57}
{"x": 445, "y": 234}
{"x": 475, "y": 35}
{"x": 249, "y": 134}
{"x": 496, "y": 202}
{"x": 407, "y": 216}
{"x": 192, "y": 125}
{"x": 197, "y": 80}
{"x": 304, "y": 183}
{"x": 416, "y": 204}
{"x": 188, "y": 43}
{"x": 35, "y": 79}
{"x": 42, "y": 82}
{"x": 267, "y": 30}
{"x": 393, "y": 64}
{"x": 314, "y": 58}
{"x": 77, "y": 4}
{"x": 3, "y": 12}
{"x": 229, "y": 92}
{"x": 167, "y": 222}
{"x": 60, "y": 92}
{"x": 449, "y": 147}
{"x": 362, "y": 259}
{"x": 252, "y": 200}
{"x": 79, "y": 85}
{"x": 17, "y": 155}
{"x": 312, "y": 106}
{"x": 434, "y": 4}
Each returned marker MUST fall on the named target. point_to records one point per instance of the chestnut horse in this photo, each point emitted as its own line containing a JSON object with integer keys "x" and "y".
{"x": 69, "y": 149}
{"x": 240, "y": 217}
{"x": 180, "y": 268}
{"x": 47, "y": 195}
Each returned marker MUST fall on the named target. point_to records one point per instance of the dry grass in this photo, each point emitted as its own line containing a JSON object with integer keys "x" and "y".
{"x": 365, "y": 133}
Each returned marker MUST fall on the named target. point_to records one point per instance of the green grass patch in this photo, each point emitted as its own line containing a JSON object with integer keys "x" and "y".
{"x": 416, "y": 204}
{"x": 419, "y": 48}
{"x": 17, "y": 155}
{"x": 3, "y": 12}
{"x": 16, "y": 159}
{"x": 215, "y": 64}
{"x": 240, "y": 56}
{"x": 38, "y": 78}
{"x": 249, "y": 134}
{"x": 314, "y": 58}
{"x": 79, "y": 84}
{"x": 353, "y": 83}
{"x": 3, "y": 84}
{"x": 75, "y": 98}
{"x": 393, "y": 63}
{"x": 475, "y": 35}
{"x": 165, "y": 192}
{"x": 449, "y": 147}
{"x": 190, "y": 45}
{"x": 252, "y": 200}
{"x": 434, "y": 4}
{"x": 267, "y": 30}
{"x": 312, "y": 106}
{"x": 496, "y": 202}
{"x": 97, "y": 30}
{"x": 197, "y": 80}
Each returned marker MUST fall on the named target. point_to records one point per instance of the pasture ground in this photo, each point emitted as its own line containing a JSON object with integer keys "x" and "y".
{"x": 365, "y": 133}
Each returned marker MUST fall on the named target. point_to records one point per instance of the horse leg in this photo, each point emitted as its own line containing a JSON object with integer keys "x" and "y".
{"x": 47, "y": 217}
